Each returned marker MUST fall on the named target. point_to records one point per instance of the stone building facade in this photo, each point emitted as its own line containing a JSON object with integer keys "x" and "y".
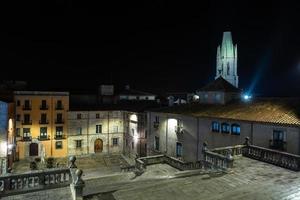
{"x": 41, "y": 125}
{"x": 181, "y": 131}
{"x": 105, "y": 132}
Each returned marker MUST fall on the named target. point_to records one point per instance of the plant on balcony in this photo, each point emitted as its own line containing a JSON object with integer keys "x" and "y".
{"x": 33, "y": 165}
{"x": 50, "y": 162}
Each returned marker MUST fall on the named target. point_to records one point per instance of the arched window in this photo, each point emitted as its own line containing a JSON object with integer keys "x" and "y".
{"x": 215, "y": 127}
{"x": 235, "y": 129}
{"x": 225, "y": 128}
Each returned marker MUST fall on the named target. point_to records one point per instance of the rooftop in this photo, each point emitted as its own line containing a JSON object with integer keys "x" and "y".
{"x": 220, "y": 84}
{"x": 269, "y": 110}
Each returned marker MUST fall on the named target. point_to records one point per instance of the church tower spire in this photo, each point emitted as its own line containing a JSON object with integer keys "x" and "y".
{"x": 227, "y": 60}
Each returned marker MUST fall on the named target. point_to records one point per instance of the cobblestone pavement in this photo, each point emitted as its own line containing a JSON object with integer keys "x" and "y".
{"x": 249, "y": 179}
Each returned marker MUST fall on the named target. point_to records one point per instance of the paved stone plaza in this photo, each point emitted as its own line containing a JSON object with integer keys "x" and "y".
{"x": 249, "y": 179}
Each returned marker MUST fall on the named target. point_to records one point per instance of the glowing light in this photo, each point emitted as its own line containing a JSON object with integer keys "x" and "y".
{"x": 172, "y": 122}
{"x": 247, "y": 97}
{"x": 196, "y": 97}
{"x": 3, "y": 149}
{"x": 133, "y": 117}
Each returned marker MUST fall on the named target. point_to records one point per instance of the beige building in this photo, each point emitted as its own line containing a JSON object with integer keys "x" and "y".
{"x": 180, "y": 131}
{"x": 105, "y": 132}
{"x": 41, "y": 125}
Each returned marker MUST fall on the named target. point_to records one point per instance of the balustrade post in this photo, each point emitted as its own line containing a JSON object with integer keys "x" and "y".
{"x": 72, "y": 160}
{"x": 77, "y": 185}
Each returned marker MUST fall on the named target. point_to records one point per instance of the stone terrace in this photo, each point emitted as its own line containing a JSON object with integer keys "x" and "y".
{"x": 248, "y": 179}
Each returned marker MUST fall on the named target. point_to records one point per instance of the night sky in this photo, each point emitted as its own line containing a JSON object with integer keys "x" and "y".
{"x": 151, "y": 45}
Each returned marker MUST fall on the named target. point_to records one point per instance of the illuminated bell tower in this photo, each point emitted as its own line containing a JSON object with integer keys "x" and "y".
{"x": 227, "y": 60}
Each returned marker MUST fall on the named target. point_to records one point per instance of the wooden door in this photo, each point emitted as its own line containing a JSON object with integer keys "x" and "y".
{"x": 98, "y": 146}
{"x": 33, "y": 149}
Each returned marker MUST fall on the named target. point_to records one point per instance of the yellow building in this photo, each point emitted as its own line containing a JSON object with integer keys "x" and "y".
{"x": 41, "y": 123}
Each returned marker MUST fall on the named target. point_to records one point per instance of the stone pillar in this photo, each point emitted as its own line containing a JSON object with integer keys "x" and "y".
{"x": 77, "y": 184}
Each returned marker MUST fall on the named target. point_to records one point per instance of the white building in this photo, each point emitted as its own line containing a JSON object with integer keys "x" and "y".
{"x": 105, "y": 132}
{"x": 227, "y": 60}
{"x": 180, "y": 131}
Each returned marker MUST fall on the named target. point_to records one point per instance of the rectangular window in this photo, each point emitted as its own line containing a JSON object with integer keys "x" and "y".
{"x": 97, "y": 116}
{"x": 115, "y": 141}
{"x": 225, "y": 128}
{"x": 58, "y": 145}
{"x": 178, "y": 149}
{"x": 27, "y": 104}
{"x": 44, "y": 105}
{"x": 79, "y": 131}
{"x": 27, "y": 118}
{"x": 18, "y": 117}
{"x": 156, "y": 143}
{"x": 132, "y": 145}
{"x": 59, "y": 118}
{"x": 79, "y": 116}
{"x": 115, "y": 129}
{"x": 43, "y": 132}
{"x": 215, "y": 127}
{"x": 157, "y": 119}
{"x": 18, "y": 103}
{"x": 26, "y": 132}
{"x": 43, "y": 119}
{"x": 59, "y": 132}
{"x": 146, "y": 134}
{"x": 18, "y": 132}
{"x": 78, "y": 143}
{"x": 279, "y": 140}
{"x": 235, "y": 129}
{"x": 59, "y": 105}
{"x": 99, "y": 128}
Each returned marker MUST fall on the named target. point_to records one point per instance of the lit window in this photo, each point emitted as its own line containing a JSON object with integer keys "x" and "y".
{"x": 178, "y": 149}
{"x": 225, "y": 128}
{"x": 115, "y": 141}
{"x": 215, "y": 126}
{"x": 43, "y": 132}
{"x": 235, "y": 129}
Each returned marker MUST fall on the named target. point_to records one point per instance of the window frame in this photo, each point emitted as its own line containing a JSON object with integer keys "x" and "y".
{"x": 235, "y": 129}
{"x": 213, "y": 129}
{"x": 224, "y": 124}
{"x": 58, "y": 147}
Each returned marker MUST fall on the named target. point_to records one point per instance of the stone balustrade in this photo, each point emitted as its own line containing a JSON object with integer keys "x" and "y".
{"x": 235, "y": 150}
{"x": 32, "y": 181}
{"x": 13, "y": 184}
{"x": 282, "y": 159}
{"x": 215, "y": 160}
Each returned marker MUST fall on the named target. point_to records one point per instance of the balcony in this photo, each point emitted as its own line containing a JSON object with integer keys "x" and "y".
{"x": 27, "y": 122}
{"x": 59, "y": 107}
{"x": 44, "y": 122}
{"x": 156, "y": 125}
{"x": 59, "y": 137}
{"x": 277, "y": 145}
{"x": 59, "y": 121}
{"x": 44, "y": 107}
{"x": 179, "y": 129}
{"x": 26, "y": 139}
{"x": 43, "y": 138}
{"x": 26, "y": 107}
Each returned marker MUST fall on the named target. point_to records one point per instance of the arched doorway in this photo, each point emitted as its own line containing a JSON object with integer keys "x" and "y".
{"x": 98, "y": 146}
{"x": 33, "y": 149}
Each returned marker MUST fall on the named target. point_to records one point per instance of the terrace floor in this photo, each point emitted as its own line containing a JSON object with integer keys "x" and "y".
{"x": 249, "y": 179}
{"x": 92, "y": 165}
